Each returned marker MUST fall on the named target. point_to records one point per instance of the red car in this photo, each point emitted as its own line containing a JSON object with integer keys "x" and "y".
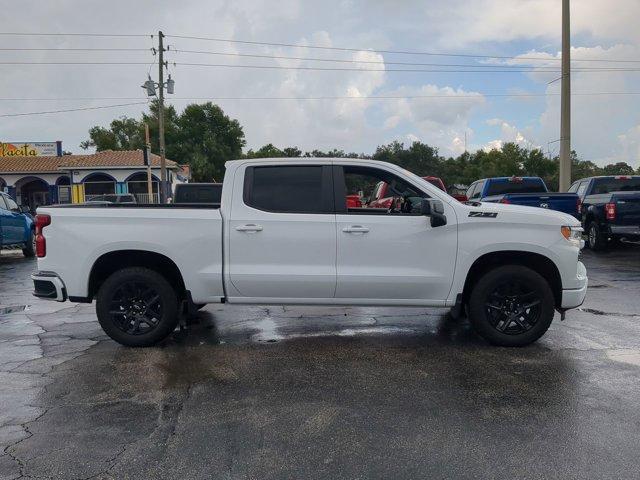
{"x": 381, "y": 198}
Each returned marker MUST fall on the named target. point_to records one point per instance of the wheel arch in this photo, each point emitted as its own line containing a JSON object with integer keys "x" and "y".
{"x": 112, "y": 261}
{"x": 535, "y": 261}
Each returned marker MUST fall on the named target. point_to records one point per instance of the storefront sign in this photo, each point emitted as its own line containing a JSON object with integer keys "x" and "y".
{"x": 31, "y": 149}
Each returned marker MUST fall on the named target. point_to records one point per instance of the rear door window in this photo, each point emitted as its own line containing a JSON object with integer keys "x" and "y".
{"x": 289, "y": 189}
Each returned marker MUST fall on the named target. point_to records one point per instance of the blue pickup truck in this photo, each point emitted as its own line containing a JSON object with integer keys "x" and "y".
{"x": 610, "y": 209}
{"x": 16, "y": 227}
{"x": 526, "y": 191}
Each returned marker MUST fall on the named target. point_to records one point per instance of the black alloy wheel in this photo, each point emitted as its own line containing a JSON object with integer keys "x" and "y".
{"x": 511, "y": 305}
{"x": 136, "y": 308}
{"x": 513, "y": 308}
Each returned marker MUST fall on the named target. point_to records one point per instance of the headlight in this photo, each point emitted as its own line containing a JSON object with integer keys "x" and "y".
{"x": 573, "y": 235}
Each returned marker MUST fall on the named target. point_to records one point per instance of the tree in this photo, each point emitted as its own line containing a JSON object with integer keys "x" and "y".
{"x": 124, "y": 134}
{"x": 201, "y": 136}
{"x": 207, "y": 138}
{"x": 620, "y": 168}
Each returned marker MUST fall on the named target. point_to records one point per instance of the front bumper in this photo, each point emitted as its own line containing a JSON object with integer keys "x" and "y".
{"x": 48, "y": 285}
{"x": 574, "y": 297}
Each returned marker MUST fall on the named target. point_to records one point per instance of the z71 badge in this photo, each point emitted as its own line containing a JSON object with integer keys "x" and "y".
{"x": 483, "y": 214}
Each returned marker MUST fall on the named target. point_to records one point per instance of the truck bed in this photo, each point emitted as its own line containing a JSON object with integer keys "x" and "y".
{"x": 191, "y": 236}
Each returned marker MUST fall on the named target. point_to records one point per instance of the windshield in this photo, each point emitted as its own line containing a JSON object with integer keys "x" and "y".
{"x": 608, "y": 185}
{"x": 436, "y": 182}
{"x": 520, "y": 185}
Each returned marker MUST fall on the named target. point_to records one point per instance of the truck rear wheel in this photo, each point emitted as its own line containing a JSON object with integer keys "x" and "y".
{"x": 597, "y": 239}
{"x": 137, "y": 307}
{"x": 511, "y": 306}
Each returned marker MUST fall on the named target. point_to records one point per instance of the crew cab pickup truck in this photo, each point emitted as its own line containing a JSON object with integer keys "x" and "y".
{"x": 16, "y": 226}
{"x": 527, "y": 191}
{"x": 284, "y": 234}
{"x": 610, "y": 208}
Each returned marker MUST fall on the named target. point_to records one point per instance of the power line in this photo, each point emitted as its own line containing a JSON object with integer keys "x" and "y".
{"x": 328, "y": 69}
{"x": 71, "y": 110}
{"x": 65, "y": 49}
{"x": 338, "y": 97}
{"x": 384, "y": 62}
{"x": 399, "y": 52}
{"x": 106, "y": 35}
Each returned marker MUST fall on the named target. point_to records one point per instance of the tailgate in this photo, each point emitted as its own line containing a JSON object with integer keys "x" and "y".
{"x": 627, "y": 208}
{"x": 561, "y": 202}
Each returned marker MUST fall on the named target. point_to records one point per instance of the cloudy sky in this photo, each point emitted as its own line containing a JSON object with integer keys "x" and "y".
{"x": 503, "y": 95}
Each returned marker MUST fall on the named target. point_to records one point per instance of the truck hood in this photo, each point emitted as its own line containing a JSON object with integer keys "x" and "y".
{"x": 521, "y": 214}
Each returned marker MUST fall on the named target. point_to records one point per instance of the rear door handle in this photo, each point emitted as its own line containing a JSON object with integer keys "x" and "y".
{"x": 355, "y": 229}
{"x": 249, "y": 227}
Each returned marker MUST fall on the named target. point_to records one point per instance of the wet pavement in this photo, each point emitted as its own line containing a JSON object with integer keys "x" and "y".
{"x": 262, "y": 393}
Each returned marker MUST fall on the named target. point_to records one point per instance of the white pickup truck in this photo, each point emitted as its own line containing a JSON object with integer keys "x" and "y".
{"x": 287, "y": 232}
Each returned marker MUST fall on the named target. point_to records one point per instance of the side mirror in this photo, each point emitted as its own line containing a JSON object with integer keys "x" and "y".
{"x": 435, "y": 210}
{"x": 25, "y": 209}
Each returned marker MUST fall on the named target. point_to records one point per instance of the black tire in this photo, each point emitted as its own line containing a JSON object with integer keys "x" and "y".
{"x": 137, "y": 307}
{"x": 595, "y": 238}
{"x": 499, "y": 296}
{"x": 29, "y": 249}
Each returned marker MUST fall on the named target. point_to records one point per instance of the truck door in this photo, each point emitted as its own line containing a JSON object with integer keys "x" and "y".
{"x": 282, "y": 232}
{"x": 11, "y": 221}
{"x": 391, "y": 254}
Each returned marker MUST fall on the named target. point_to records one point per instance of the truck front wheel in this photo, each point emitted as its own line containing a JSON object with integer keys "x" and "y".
{"x": 137, "y": 307}
{"x": 511, "y": 306}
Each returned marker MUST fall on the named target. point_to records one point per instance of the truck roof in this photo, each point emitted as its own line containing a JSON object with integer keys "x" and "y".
{"x": 301, "y": 159}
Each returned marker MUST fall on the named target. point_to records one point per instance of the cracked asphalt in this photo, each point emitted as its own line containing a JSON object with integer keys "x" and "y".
{"x": 280, "y": 393}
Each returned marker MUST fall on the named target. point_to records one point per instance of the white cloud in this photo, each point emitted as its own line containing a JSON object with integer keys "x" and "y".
{"x": 437, "y": 115}
{"x": 457, "y": 23}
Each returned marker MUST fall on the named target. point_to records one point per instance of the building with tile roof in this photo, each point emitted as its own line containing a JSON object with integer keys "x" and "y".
{"x": 41, "y": 180}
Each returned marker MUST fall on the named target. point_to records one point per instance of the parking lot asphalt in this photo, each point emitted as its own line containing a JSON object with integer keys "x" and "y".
{"x": 272, "y": 392}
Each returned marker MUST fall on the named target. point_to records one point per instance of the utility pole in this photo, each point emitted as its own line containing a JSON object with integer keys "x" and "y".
{"x": 565, "y": 101}
{"x": 163, "y": 160}
{"x": 147, "y": 147}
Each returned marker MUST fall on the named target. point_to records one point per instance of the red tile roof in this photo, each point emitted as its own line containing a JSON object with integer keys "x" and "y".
{"x": 104, "y": 159}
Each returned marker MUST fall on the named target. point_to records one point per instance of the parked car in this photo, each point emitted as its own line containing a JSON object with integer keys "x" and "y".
{"x": 459, "y": 192}
{"x": 113, "y": 198}
{"x": 610, "y": 208}
{"x": 16, "y": 226}
{"x": 198, "y": 193}
{"x": 383, "y": 196}
{"x": 526, "y": 191}
{"x": 284, "y": 234}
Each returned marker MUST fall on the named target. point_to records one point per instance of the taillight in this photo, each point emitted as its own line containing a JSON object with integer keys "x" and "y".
{"x": 505, "y": 200}
{"x": 579, "y": 206}
{"x": 610, "y": 211}
{"x": 42, "y": 221}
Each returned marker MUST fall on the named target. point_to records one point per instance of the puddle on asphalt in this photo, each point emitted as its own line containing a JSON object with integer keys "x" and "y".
{"x": 631, "y": 357}
{"x": 12, "y": 309}
{"x": 608, "y": 314}
{"x": 268, "y": 332}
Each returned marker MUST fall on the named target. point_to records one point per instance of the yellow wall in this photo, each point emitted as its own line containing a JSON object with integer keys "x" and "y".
{"x": 77, "y": 193}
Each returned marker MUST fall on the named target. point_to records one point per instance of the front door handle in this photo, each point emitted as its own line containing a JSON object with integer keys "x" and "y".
{"x": 249, "y": 227}
{"x": 355, "y": 229}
